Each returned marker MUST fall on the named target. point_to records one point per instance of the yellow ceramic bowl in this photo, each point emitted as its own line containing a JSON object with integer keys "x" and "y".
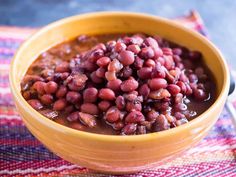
{"x": 106, "y": 153}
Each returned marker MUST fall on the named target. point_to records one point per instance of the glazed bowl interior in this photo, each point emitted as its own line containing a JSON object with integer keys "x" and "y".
{"x": 93, "y": 146}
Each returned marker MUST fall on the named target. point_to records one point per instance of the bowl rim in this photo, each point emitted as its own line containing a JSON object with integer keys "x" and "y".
{"x": 118, "y": 138}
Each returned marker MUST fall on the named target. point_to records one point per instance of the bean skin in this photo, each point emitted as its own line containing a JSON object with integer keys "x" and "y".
{"x": 74, "y": 116}
{"x": 147, "y": 52}
{"x": 144, "y": 90}
{"x": 120, "y": 47}
{"x": 87, "y": 119}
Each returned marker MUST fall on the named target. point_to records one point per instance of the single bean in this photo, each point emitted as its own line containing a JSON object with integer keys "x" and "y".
{"x": 147, "y": 53}
{"x": 74, "y": 116}
{"x": 144, "y": 90}
{"x": 119, "y": 47}
{"x": 157, "y": 83}
{"x": 104, "y": 105}
{"x": 126, "y": 57}
{"x": 36, "y": 104}
{"x": 134, "y": 117}
{"x": 129, "y": 85}
{"x": 129, "y": 129}
{"x": 173, "y": 89}
{"x": 100, "y": 72}
{"x": 89, "y": 108}
{"x": 39, "y": 87}
{"x": 106, "y": 94}
{"x": 104, "y": 61}
{"x": 46, "y": 99}
{"x": 110, "y": 75}
{"x": 114, "y": 84}
{"x": 59, "y": 105}
{"x": 134, "y": 48}
{"x": 112, "y": 114}
{"x": 73, "y": 97}
{"x": 144, "y": 73}
{"x": 90, "y": 95}
{"x": 120, "y": 102}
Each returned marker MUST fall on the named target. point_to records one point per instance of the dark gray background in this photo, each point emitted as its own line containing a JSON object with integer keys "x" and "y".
{"x": 219, "y": 15}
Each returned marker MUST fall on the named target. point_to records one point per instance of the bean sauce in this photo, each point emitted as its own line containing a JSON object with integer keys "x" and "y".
{"x": 119, "y": 84}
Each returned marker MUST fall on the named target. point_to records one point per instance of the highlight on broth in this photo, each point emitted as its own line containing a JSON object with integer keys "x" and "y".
{"x": 119, "y": 84}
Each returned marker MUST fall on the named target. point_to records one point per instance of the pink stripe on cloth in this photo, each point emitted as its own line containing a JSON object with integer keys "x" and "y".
{"x": 21, "y": 154}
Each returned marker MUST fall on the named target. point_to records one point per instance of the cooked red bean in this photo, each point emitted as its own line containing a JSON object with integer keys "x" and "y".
{"x": 114, "y": 84}
{"x": 147, "y": 52}
{"x": 35, "y": 104}
{"x": 129, "y": 85}
{"x": 104, "y": 105}
{"x": 173, "y": 89}
{"x": 150, "y": 63}
{"x": 134, "y": 105}
{"x": 120, "y": 47}
{"x": 61, "y": 92}
{"x": 104, "y": 61}
{"x": 126, "y": 72}
{"x": 50, "y": 87}
{"x": 73, "y": 97}
{"x": 110, "y": 75}
{"x": 159, "y": 94}
{"x": 59, "y": 105}
{"x": 77, "y": 126}
{"x": 129, "y": 129}
{"x": 161, "y": 123}
{"x": 95, "y": 78}
{"x": 106, "y": 94}
{"x": 152, "y": 115}
{"x": 114, "y": 66}
{"x": 89, "y": 108}
{"x": 46, "y": 99}
{"x": 138, "y": 62}
{"x": 141, "y": 130}
{"x": 131, "y": 96}
{"x": 157, "y": 83}
{"x": 126, "y": 57}
{"x": 112, "y": 115}
{"x": 39, "y": 87}
{"x": 120, "y": 102}
{"x": 90, "y": 95}
{"x": 74, "y": 116}
{"x": 77, "y": 82}
{"x": 134, "y": 48}
{"x": 145, "y": 72}
{"x": 200, "y": 95}
{"x": 100, "y": 72}
{"x": 134, "y": 117}
{"x": 144, "y": 90}
{"x": 62, "y": 67}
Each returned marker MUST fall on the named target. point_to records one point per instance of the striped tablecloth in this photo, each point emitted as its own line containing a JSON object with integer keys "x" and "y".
{"x": 23, "y": 155}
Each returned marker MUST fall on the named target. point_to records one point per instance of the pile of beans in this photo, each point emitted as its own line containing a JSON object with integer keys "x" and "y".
{"x": 136, "y": 85}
